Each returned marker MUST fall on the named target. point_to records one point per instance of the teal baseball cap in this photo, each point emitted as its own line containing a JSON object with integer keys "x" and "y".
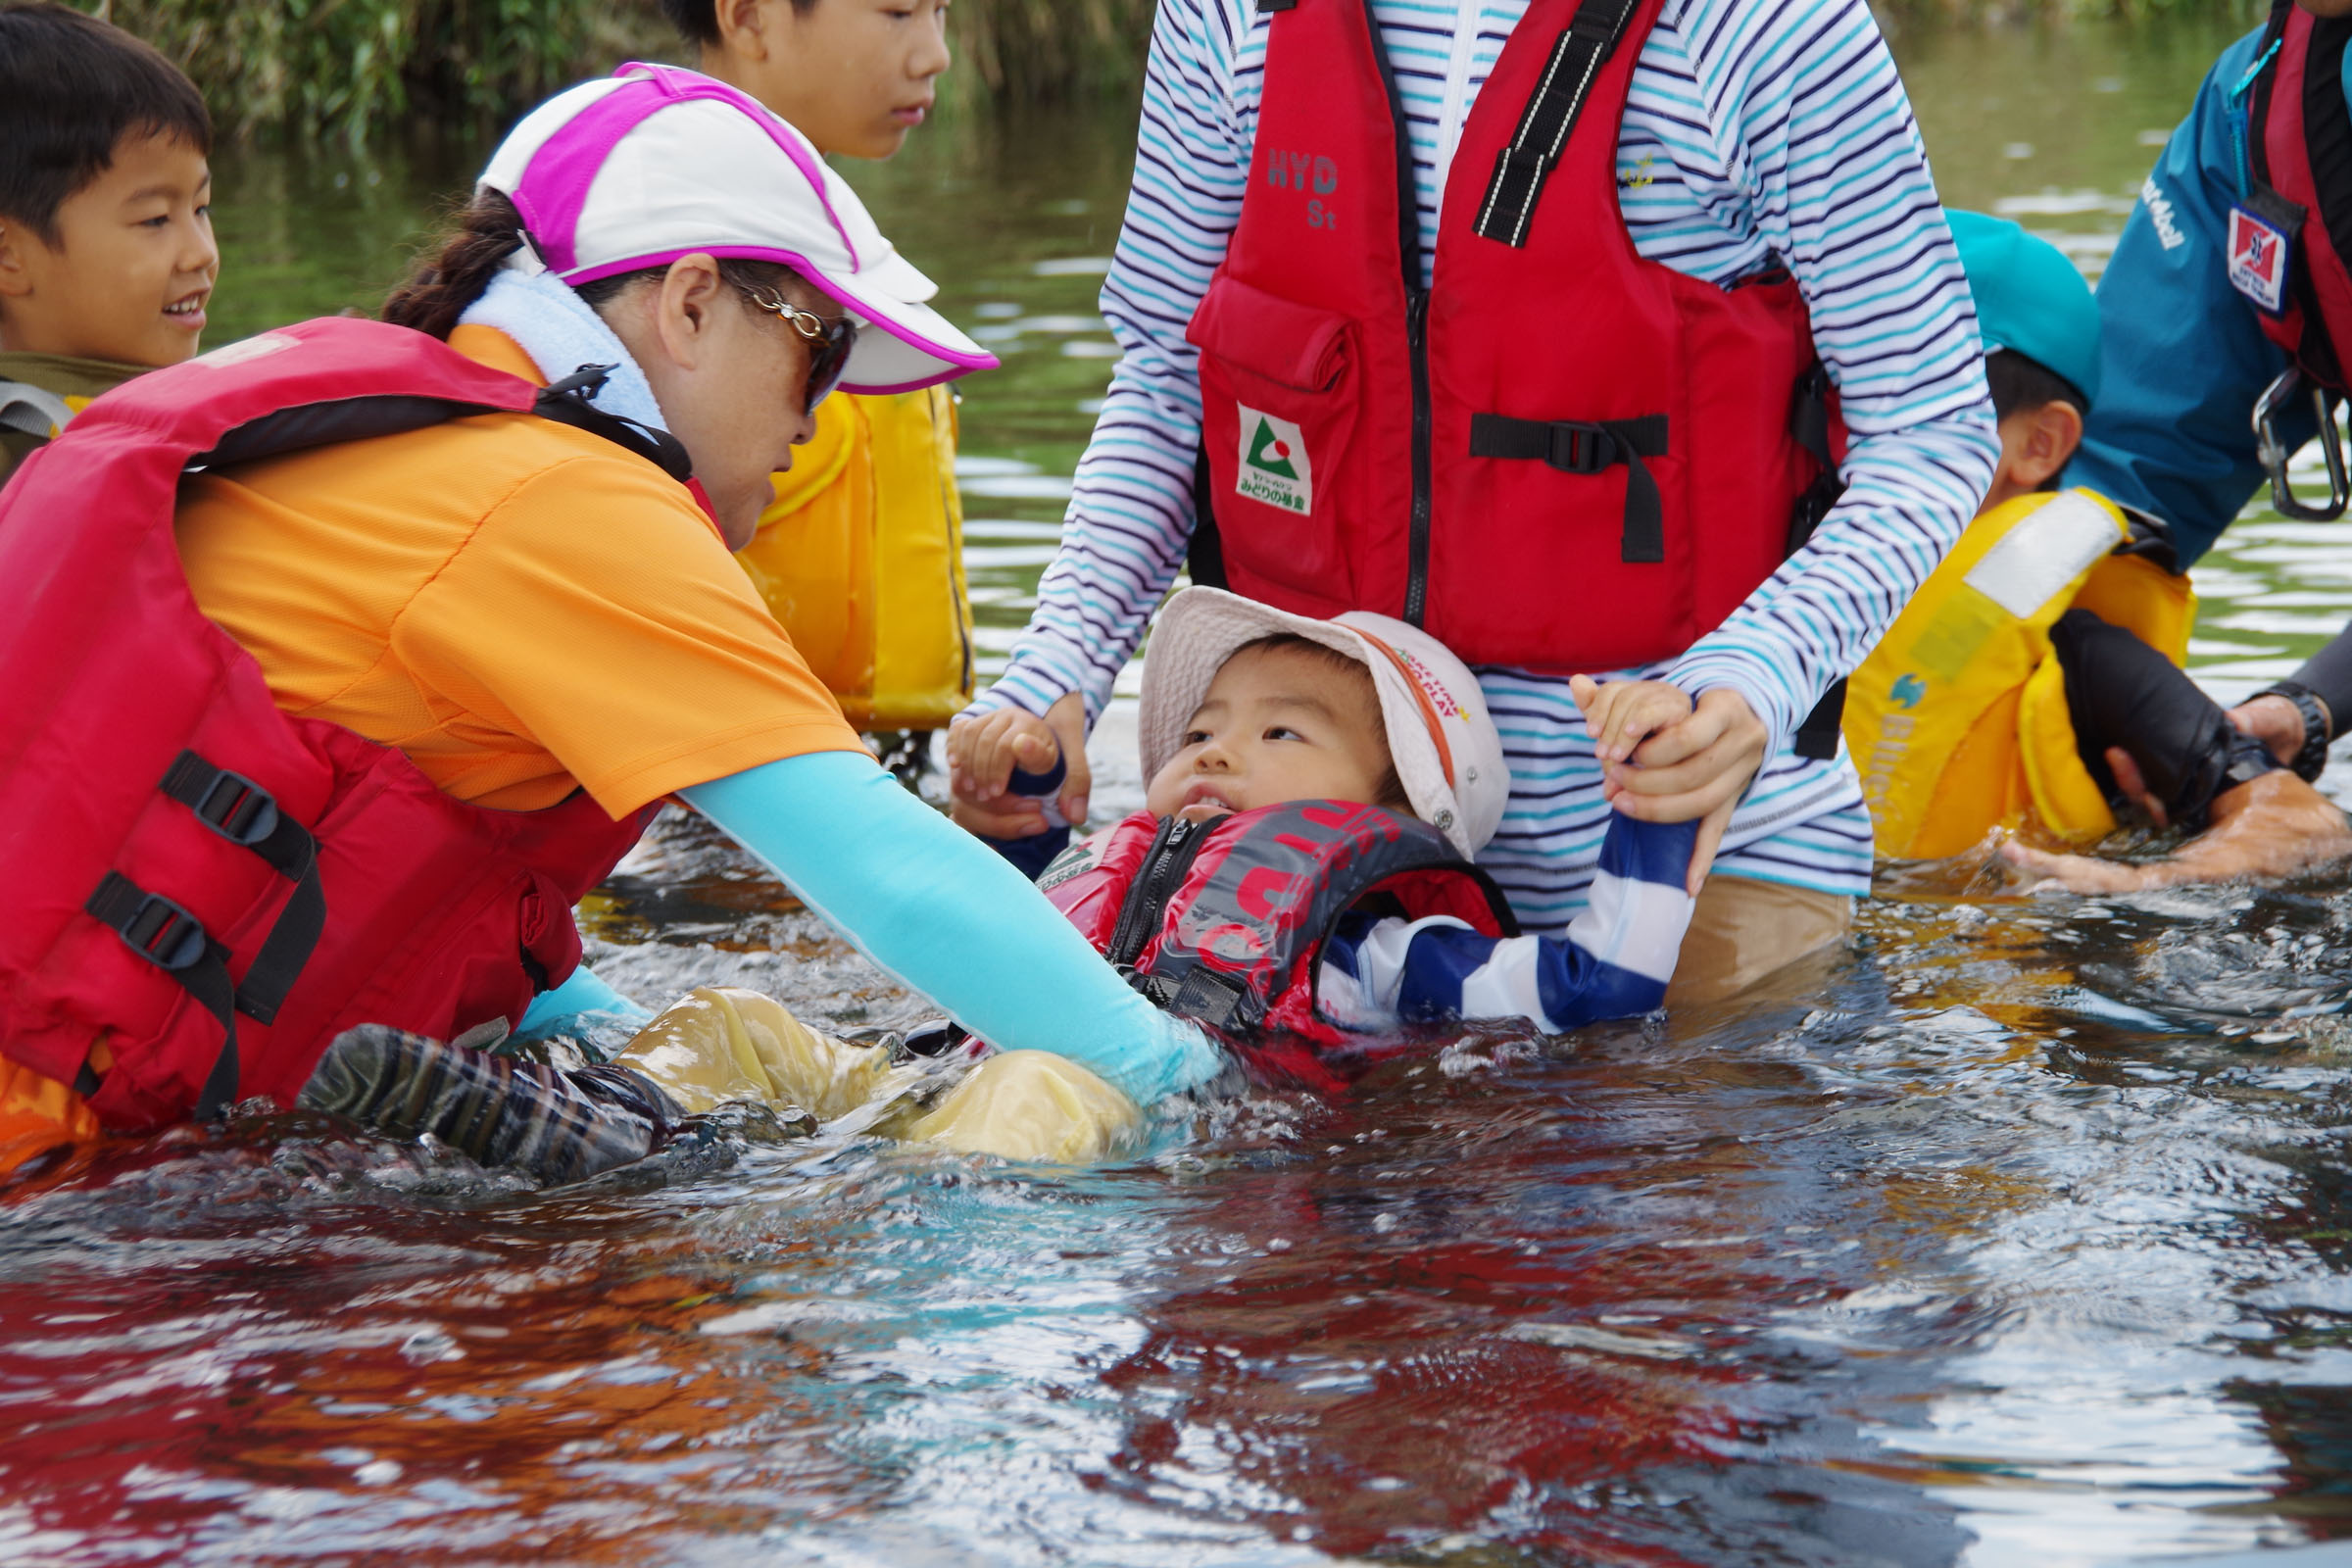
{"x": 2029, "y": 298}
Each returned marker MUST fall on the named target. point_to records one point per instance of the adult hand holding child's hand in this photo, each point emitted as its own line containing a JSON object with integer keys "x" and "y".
{"x": 1665, "y": 758}
{"x": 984, "y": 751}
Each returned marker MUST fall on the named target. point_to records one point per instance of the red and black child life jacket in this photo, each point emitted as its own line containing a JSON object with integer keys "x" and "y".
{"x": 213, "y": 886}
{"x": 2299, "y": 157}
{"x": 1559, "y": 456}
{"x": 1225, "y": 922}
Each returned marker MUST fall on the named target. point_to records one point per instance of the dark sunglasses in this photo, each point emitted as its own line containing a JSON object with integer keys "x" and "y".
{"x": 829, "y": 342}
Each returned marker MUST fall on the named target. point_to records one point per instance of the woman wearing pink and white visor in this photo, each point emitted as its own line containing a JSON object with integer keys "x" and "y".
{"x": 528, "y": 608}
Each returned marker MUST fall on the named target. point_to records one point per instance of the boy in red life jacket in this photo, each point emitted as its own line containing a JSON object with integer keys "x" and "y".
{"x": 1248, "y": 711}
{"x": 106, "y": 233}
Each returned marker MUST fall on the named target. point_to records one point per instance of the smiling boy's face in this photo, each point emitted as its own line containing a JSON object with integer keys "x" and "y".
{"x": 852, "y": 75}
{"x": 1279, "y": 725}
{"x": 133, "y": 267}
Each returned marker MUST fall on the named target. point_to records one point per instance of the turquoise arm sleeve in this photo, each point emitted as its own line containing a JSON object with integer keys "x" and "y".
{"x": 940, "y": 910}
{"x": 583, "y": 994}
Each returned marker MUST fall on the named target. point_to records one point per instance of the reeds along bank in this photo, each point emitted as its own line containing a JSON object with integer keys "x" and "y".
{"x": 356, "y": 66}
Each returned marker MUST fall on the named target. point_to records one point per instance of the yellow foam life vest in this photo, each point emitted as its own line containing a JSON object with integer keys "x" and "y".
{"x": 1958, "y": 720}
{"x": 861, "y": 557}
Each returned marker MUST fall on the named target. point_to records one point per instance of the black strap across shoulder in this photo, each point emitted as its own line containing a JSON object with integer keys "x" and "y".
{"x": 1574, "y": 446}
{"x": 566, "y": 402}
{"x": 1523, "y": 166}
{"x": 340, "y": 419}
{"x": 167, "y": 936}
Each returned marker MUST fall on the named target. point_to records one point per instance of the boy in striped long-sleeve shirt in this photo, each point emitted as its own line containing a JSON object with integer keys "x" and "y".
{"x": 1755, "y": 136}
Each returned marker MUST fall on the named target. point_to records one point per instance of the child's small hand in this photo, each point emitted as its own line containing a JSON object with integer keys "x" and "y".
{"x": 982, "y": 756}
{"x": 1624, "y": 713}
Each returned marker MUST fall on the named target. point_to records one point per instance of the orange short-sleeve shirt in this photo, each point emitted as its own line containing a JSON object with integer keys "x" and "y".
{"x": 521, "y": 607}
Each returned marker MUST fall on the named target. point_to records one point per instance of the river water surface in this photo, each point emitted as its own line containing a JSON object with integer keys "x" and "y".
{"x": 2018, "y": 1232}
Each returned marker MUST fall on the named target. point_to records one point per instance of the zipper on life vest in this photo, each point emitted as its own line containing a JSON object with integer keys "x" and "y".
{"x": 1173, "y": 849}
{"x": 1416, "y": 337}
{"x": 1416, "y": 320}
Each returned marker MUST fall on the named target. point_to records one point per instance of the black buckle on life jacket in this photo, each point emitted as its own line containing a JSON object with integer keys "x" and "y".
{"x": 1585, "y": 448}
{"x": 176, "y": 942}
{"x": 229, "y": 804}
{"x": 157, "y": 929}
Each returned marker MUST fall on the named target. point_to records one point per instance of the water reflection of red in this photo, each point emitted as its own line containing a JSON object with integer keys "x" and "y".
{"x": 565, "y": 1410}
{"x": 1489, "y": 1360}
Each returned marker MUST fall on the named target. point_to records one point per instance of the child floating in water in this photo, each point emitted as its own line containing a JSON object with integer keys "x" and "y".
{"x": 1302, "y": 857}
{"x": 1300, "y": 871}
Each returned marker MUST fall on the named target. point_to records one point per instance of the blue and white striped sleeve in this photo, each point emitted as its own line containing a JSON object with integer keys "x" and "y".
{"x": 1809, "y": 119}
{"x": 1131, "y": 506}
{"x": 1613, "y": 963}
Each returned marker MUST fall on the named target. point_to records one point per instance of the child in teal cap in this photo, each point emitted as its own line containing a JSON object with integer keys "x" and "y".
{"x": 2040, "y": 330}
{"x": 2033, "y": 683}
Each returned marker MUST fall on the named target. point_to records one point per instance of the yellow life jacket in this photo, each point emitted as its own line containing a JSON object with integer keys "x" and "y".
{"x": 861, "y": 557}
{"x": 1958, "y": 720}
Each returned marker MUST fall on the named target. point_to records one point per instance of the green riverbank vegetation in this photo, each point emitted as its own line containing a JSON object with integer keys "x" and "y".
{"x": 352, "y": 67}
{"x": 356, "y": 66}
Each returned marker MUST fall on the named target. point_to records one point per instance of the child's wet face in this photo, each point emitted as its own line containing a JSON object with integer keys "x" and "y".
{"x": 133, "y": 267}
{"x": 1278, "y": 724}
{"x": 852, "y": 76}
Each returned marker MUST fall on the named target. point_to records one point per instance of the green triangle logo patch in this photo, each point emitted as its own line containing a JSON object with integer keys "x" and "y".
{"x": 1275, "y": 468}
{"x": 1269, "y": 453}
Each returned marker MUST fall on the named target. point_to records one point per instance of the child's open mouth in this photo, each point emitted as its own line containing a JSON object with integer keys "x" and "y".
{"x": 1208, "y": 792}
{"x": 188, "y": 311}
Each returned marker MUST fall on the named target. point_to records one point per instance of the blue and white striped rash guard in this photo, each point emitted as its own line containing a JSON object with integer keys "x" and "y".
{"x": 1757, "y": 131}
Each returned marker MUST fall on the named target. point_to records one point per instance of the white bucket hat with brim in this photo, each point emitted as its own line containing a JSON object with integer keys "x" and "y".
{"x": 653, "y": 163}
{"x": 1447, "y": 754}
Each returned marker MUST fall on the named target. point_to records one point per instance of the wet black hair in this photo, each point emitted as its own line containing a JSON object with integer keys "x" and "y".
{"x": 72, "y": 88}
{"x": 1390, "y": 790}
{"x": 486, "y": 231}
{"x": 2020, "y": 382}
{"x": 697, "y": 21}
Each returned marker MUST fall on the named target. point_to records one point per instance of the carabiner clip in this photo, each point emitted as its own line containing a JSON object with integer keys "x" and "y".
{"x": 2273, "y": 454}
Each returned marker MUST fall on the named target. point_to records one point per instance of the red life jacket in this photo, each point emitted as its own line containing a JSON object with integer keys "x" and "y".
{"x": 1558, "y": 456}
{"x": 188, "y": 864}
{"x": 1225, "y": 922}
{"x": 2299, "y": 153}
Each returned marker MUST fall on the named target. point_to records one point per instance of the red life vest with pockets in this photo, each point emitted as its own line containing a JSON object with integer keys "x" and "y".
{"x": 1225, "y": 922}
{"x": 1559, "y": 456}
{"x": 2299, "y": 153}
{"x": 213, "y": 886}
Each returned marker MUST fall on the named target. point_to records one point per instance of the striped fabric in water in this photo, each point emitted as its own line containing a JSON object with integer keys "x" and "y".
{"x": 1613, "y": 963}
{"x": 1758, "y": 133}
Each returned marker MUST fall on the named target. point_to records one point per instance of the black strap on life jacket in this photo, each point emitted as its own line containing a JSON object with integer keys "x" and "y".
{"x": 176, "y": 942}
{"x": 1816, "y": 739}
{"x": 1549, "y": 118}
{"x": 1574, "y": 446}
{"x": 566, "y": 402}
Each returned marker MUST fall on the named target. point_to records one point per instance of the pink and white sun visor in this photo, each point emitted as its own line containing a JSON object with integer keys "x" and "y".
{"x": 653, "y": 163}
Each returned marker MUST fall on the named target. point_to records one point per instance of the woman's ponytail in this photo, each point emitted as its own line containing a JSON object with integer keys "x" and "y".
{"x": 487, "y": 231}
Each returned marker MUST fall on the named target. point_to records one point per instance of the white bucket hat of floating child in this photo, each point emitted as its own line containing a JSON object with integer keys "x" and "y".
{"x": 1447, "y": 754}
{"x": 653, "y": 163}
